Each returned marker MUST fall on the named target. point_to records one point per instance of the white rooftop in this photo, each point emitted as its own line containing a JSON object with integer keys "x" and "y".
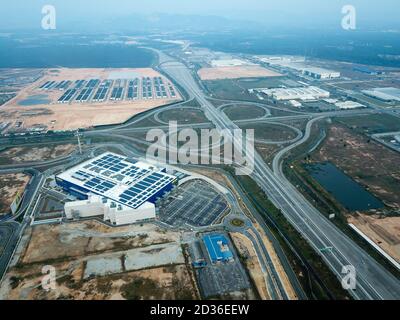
{"x": 387, "y": 94}
{"x": 119, "y": 178}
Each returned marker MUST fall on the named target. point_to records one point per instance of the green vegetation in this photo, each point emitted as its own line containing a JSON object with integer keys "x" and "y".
{"x": 184, "y": 115}
{"x": 237, "y": 223}
{"x": 242, "y": 112}
{"x": 372, "y": 124}
{"x": 140, "y": 288}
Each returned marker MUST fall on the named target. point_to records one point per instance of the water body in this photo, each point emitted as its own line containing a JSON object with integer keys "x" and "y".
{"x": 344, "y": 189}
{"x": 41, "y": 54}
{"x": 35, "y": 100}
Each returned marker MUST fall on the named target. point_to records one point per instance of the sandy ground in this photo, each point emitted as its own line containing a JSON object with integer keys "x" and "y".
{"x": 28, "y": 154}
{"x": 73, "y": 248}
{"x": 10, "y": 186}
{"x": 236, "y": 72}
{"x": 169, "y": 283}
{"x": 73, "y": 116}
{"x": 80, "y": 239}
{"x": 385, "y": 232}
{"x": 246, "y": 249}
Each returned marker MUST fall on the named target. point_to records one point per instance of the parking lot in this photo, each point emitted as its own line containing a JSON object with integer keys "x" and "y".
{"x": 223, "y": 277}
{"x": 195, "y": 203}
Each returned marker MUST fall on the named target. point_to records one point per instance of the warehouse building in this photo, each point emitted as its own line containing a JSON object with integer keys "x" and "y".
{"x": 305, "y": 94}
{"x": 385, "y": 94}
{"x": 320, "y": 73}
{"x": 218, "y": 248}
{"x": 347, "y": 105}
{"x": 120, "y": 189}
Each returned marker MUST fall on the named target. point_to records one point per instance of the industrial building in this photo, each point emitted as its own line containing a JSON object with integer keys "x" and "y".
{"x": 120, "y": 189}
{"x": 299, "y": 64}
{"x": 281, "y": 60}
{"x": 372, "y": 72}
{"x": 229, "y": 63}
{"x": 347, "y": 105}
{"x": 218, "y": 248}
{"x": 304, "y": 94}
{"x": 320, "y": 73}
{"x": 388, "y": 94}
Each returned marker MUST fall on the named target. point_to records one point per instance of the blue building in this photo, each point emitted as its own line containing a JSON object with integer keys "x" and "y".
{"x": 218, "y": 248}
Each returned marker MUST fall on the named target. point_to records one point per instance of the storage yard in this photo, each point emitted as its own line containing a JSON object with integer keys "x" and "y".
{"x": 67, "y": 99}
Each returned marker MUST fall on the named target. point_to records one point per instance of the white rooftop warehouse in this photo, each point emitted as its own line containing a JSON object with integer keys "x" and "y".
{"x": 385, "y": 94}
{"x": 308, "y": 93}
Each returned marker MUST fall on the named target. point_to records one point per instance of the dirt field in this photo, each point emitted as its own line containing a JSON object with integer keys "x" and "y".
{"x": 235, "y": 72}
{"x": 31, "y": 154}
{"x": 57, "y": 116}
{"x": 384, "y": 232}
{"x": 10, "y": 186}
{"x": 72, "y": 248}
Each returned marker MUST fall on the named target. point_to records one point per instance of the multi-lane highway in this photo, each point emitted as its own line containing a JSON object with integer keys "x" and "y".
{"x": 373, "y": 281}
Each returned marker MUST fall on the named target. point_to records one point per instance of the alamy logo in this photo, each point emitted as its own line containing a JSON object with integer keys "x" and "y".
{"x": 49, "y": 18}
{"x": 349, "y": 281}
{"x": 49, "y": 280}
{"x": 349, "y": 21}
{"x": 209, "y": 146}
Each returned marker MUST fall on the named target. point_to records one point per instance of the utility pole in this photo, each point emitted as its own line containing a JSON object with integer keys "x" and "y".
{"x": 78, "y": 135}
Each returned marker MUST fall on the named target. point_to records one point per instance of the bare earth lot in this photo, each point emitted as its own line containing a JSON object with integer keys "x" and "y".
{"x": 31, "y": 154}
{"x": 72, "y": 116}
{"x": 235, "y": 72}
{"x": 93, "y": 261}
{"x": 10, "y": 186}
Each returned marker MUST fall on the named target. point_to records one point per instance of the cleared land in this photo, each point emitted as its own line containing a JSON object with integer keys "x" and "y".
{"x": 11, "y": 185}
{"x": 16, "y": 155}
{"x": 236, "y": 72}
{"x": 384, "y": 231}
{"x": 93, "y": 261}
{"x": 70, "y": 116}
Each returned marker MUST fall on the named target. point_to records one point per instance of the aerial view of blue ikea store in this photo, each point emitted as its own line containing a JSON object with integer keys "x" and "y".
{"x": 120, "y": 189}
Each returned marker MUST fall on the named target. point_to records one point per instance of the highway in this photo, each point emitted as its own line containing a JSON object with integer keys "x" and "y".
{"x": 373, "y": 281}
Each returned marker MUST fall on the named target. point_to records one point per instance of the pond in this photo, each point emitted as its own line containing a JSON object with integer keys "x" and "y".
{"x": 344, "y": 189}
{"x": 35, "y": 100}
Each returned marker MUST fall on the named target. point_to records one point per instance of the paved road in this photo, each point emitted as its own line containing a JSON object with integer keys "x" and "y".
{"x": 373, "y": 281}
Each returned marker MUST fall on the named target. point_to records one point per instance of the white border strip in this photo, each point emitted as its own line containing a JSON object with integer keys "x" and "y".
{"x": 372, "y": 243}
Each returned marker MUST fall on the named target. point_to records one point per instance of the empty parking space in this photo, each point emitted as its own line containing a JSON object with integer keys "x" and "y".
{"x": 195, "y": 203}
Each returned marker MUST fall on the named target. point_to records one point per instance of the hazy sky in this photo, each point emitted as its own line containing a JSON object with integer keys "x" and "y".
{"x": 277, "y": 13}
